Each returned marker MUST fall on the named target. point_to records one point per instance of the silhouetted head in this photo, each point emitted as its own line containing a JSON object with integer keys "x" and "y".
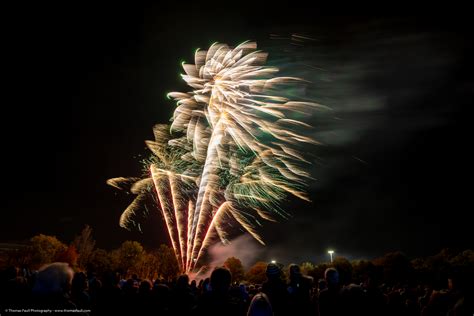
{"x": 145, "y": 287}
{"x": 11, "y": 273}
{"x": 183, "y": 281}
{"x": 130, "y": 287}
{"x": 53, "y": 278}
{"x": 220, "y": 280}
{"x": 95, "y": 285}
{"x": 205, "y": 284}
{"x": 110, "y": 278}
{"x": 322, "y": 284}
{"x": 91, "y": 274}
{"x": 332, "y": 277}
{"x": 295, "y": 271}
{"x": 460, "y": 278}
{"x": 161, "y": 288}
{"x": 260, "y": 306}
{"x": 79, "y": 282}
{"x": 273, "y": 271}
{"x": 161, "y": 292}
{"x": 372, "y": 277}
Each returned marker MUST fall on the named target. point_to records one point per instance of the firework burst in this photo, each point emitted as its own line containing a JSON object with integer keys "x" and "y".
{"x": 230, "y": 153}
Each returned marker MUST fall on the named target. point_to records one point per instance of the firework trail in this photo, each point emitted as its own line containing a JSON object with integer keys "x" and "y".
{"x": 230, "y": 153}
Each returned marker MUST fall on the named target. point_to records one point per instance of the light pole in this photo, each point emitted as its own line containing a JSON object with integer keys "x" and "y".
{"x": 330, "y": 252}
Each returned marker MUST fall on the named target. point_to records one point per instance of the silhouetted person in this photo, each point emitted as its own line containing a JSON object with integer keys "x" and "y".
{"x": 108, "y": 298}
{"x": 260, "y": 306}
{"x": 275, "y": 289}
{"x": 457, "y": 299}
{"x": 322, "y": 285}
{"x": 144, "y": 300}
{"x": 52, "y": 287}
{"x": 438, "y": 304}
{"x": 352, "y": 300}
{"x": 183, "y": 298}
{"x": 244, "y": 294}
{"x": 14, "y": 289}
{"x": 461, "y": 291}
{"x": 136, "y": 278}
{"x": 329, "y": 299}
{"x": 252, "y": 291}
{"x": 194, "y": 288}
{"x": 205, "y": 286}
{"x": 299, "y": 289}
{"x": 79, "y": 293}
{"x": 218, "y": 301}
{"x": 161, "y": 297}
{"x": 200, "y": 285}
{"x": 93, "y": 285}
{"x": 130, "y": 296}
{"x": 395, "y": 303}
{"x": 375, "y": 299}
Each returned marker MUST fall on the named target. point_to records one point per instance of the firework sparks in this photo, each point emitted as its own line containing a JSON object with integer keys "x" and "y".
{"x": 230, "y": 152}
{"x": 160, "y": 186}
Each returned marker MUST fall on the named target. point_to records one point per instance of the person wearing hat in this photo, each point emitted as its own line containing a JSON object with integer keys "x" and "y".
{"x": 275, "y": 289}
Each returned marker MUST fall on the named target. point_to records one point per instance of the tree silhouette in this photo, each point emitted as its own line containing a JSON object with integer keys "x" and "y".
{"x": 256, "y": 274}
{"x": 168, "y": 266}
{"x": 69, "y": 256}
{"x": 100, "y": 261}
{"x": 318, "y": 271}
{"x": 129, "y": 254}
{"x": 236, "y": 268}
{"x": 396, "y": 267}
{"x": 361, "y": 270}
{"x": 306, "y": 267}
{"x": 85, "y": 245}
{"x": 149, "y": 265}
{"x": 45, "y": 249}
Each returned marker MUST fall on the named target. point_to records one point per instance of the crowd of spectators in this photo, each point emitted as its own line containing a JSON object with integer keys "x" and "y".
{"x": 56, "y": 286}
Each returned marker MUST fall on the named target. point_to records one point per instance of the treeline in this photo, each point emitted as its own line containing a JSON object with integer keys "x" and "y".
{"x": 82, "y": 255}
{"x": 393, "y": 269}
{"x": 131, "y": 258}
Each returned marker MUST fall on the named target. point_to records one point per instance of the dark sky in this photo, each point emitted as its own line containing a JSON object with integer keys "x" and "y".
{"x": 89, "y": 83}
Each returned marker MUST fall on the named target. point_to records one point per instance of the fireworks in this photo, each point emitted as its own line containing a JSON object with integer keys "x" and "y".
{"x": 230, "y": 154}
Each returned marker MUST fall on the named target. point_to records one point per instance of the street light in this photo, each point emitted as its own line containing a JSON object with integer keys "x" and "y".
{"x": 330, "y": 252}
{"x": 273, "y": 261}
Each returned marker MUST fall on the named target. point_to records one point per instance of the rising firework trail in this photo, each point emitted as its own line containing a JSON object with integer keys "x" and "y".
{"x": 231, "y": 153}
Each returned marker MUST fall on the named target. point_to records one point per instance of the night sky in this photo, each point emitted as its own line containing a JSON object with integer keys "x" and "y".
{"x": 88, "y": 85}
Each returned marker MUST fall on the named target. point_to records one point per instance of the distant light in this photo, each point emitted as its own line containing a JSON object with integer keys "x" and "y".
{"x": 330, "y": 252}
{"x": 274, "y": 261}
